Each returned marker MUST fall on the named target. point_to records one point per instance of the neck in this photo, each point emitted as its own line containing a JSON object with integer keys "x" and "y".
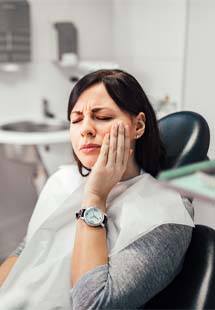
{"x": 132, "y": 170}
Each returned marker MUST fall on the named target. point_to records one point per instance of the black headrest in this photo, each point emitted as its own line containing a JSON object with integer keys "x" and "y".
{"x": 186, "y": 136}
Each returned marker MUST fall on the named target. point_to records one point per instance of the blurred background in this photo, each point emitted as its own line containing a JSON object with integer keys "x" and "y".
{"x": 47, "y": 45}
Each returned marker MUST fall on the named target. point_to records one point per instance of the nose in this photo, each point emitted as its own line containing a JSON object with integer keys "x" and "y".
{"x": 88, "y": 128}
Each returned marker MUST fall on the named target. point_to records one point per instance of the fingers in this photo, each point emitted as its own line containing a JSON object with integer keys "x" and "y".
{"x": 119, "y": 146}
{"x": 103, "y": 155}
{"x": 113, "y": 145}
{"x": 123, "y": 145}
{"x": 115, "y": 149}
{"x": 127, "y": 146}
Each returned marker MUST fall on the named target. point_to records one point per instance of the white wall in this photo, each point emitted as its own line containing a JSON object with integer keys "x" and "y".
{"x": 168, "y": 45}
{"x": 152, "y": 42}
{"x": 21, "y": 93}
{"x": 149, "y": 42}
{"x": 200, "y": 64}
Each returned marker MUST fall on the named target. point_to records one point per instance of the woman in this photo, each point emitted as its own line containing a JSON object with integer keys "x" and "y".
{"x": 130, "y": 235}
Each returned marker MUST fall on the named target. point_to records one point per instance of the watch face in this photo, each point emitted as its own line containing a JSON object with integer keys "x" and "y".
{"x": 93, "y": 216}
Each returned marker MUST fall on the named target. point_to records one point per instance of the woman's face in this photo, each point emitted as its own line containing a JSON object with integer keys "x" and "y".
{"x": 91, "y": 118}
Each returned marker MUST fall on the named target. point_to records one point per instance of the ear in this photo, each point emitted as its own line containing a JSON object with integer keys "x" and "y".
{"x": 140, "y": 125}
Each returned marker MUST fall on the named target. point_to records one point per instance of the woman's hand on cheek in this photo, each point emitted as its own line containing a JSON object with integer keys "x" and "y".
{"x": 110, "y": 165}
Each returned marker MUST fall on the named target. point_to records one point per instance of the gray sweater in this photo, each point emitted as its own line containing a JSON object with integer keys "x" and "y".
{"x": 134, "y": 275}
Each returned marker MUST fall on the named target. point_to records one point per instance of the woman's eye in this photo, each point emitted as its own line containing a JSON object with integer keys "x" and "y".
{"x": 97, "y": 117}
{"x": 104, "y": 118}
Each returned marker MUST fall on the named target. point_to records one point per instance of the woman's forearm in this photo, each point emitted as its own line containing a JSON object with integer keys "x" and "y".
{"x": 90, "y": 246}
{"x": 6, "y": 267}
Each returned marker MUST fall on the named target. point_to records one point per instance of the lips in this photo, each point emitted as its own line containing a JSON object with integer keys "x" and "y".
{"x": 90, "y": 146}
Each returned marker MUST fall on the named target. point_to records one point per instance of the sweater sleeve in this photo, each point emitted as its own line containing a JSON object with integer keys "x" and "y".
{"x": 137, "y": 273}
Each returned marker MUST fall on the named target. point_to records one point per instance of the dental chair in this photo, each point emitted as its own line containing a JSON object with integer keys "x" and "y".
{"x": 186, "y": 137}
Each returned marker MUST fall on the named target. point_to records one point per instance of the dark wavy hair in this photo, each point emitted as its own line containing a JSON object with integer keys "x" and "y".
{"x": 127, "y": 93}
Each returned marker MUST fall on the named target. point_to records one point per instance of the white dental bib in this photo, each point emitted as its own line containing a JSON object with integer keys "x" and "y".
{"x": 134, "y": 207}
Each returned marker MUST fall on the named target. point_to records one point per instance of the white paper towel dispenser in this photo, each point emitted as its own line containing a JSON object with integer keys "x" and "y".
{"x": 67, "y": 43}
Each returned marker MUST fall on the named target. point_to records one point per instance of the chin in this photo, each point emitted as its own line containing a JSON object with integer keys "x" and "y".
{"x": 89, "y": 162}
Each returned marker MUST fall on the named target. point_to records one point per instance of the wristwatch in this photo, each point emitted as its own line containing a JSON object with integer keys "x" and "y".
{"x": 93, "y": 216}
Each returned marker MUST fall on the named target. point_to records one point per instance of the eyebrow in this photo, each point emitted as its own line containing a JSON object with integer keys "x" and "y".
{"x": 93, "y": 110}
